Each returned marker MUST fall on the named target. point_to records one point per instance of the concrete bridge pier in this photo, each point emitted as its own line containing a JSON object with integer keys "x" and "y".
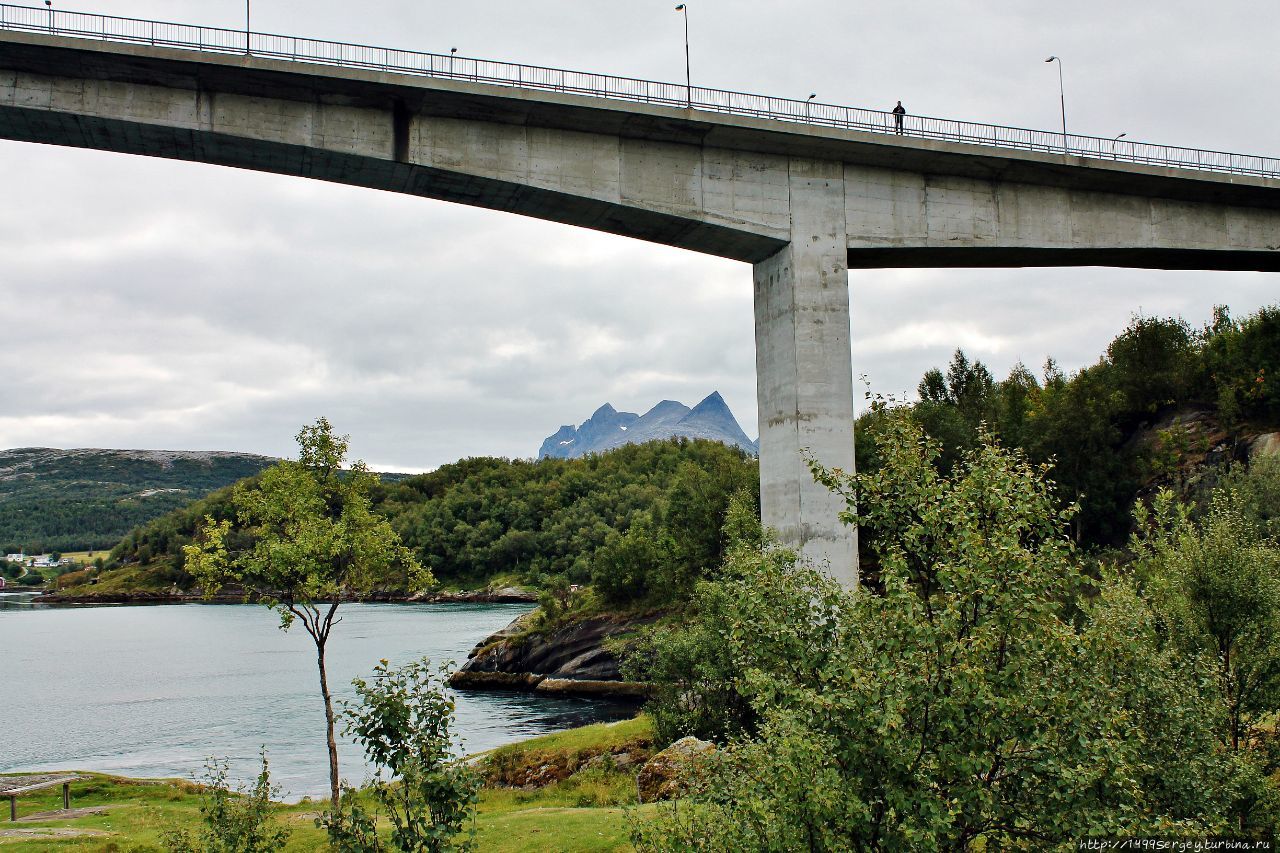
{"x": 804, "y": 374}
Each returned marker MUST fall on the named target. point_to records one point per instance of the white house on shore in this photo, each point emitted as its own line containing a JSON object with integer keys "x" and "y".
{"x": 37, "y": 561}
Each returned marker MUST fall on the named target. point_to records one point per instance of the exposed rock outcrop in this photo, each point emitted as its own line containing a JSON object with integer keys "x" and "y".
{"x": 568, "y": 661}
{"x": 666, "y": 775}
{"x": 1267, "y": 444}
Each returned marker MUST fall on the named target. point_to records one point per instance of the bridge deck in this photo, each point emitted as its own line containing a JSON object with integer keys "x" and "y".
{"x": 82, "y": 25}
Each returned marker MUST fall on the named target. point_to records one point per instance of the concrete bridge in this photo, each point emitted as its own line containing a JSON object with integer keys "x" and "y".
{"x": 802, "y": 196}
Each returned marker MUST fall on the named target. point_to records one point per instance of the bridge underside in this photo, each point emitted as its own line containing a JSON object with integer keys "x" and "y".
{"x": 994, "y": 257}
{"x": 802, "y": 204}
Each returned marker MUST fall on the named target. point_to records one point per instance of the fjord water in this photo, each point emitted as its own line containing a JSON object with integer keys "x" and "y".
{"x": 152, "y": 691}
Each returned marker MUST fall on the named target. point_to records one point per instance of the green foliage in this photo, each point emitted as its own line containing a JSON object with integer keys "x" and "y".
{"x": 1218, "y": 581}
{"x": 1084, "y": 423}
{"x": 482, "y": 517}
{"x": 698, "y": 685}
{"x": 306, "y": 539}
{"x": 403, "y": 719}
{"x": 1257, "y": 493}
{"x": 1241, "y": 363}
{"x": 234, "y": 821}
{"x": 629, "y": 567}
{"x": 967, "y": 705}
{"x": 1152, "y": 364}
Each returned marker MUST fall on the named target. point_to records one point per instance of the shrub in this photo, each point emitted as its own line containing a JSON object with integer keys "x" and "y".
{"x": 969, "y": 704}
{"x": 403, "y": 719}
{"x": 233, "y": 822}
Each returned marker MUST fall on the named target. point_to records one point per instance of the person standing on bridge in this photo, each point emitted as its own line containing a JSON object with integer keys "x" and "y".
{"x": 898, "y": 112}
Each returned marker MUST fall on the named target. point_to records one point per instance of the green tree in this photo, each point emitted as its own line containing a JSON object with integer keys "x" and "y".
{"x": 629, "y": 564}
{"x": 305, "y": 540}
{"x": 954, "y": 406}
{"x": 697, "y": 681}
{"x": 404, "y": 720}
{"x": 1152, "y": 364}
{"x": 1240, "y": 363}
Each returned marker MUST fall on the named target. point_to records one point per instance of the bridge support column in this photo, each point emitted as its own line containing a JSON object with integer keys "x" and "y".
{"x": 804, "y": 375}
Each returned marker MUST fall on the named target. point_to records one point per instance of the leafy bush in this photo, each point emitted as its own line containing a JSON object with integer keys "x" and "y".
{"x": 403, "y": 719}
{"x": 1218, "y": 584}
{"x": 234, "y": 821}
{"x": 971, "y": 703}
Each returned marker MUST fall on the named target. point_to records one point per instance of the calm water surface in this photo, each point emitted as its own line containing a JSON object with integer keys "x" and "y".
{"x": 152, "y": 691}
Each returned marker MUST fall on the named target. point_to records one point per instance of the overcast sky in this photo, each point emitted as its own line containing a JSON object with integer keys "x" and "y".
{"x": 153, "y": 304}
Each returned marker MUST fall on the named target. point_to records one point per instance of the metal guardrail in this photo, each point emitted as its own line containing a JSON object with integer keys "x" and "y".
{"x": 448, "y": 66}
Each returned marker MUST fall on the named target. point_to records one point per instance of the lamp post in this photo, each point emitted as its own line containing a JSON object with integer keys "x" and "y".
{"x": 49, "y": 3}
{"x": 248, "y": 19}
{"x": 688, "y": 77}
{"x": 1062, "y": 98}
{"x": 807, "y": 102}
{"x": 453, "y": 51}
{"x": 1117, "y": 138}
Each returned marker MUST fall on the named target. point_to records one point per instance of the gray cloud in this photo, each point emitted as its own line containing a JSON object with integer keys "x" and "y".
{"x": 174, "y": 305}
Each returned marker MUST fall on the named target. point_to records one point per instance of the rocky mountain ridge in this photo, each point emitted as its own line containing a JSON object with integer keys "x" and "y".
{"x": 31, "y": 462}
{"x": 607, "y": 428}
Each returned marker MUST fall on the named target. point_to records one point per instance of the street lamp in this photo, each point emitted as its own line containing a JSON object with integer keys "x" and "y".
{"x": 807, "y": 102}
{"x": 1113, "y": 144}
{"x": 453, "y": 51}
{"x": 49, "y": 3}
{"x": 688, "y": 77}
{"x": 1062, "y": 97}
{"x": 248, "y": 18}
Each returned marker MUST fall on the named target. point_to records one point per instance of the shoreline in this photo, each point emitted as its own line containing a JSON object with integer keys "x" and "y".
{"x": 509, "y": 595}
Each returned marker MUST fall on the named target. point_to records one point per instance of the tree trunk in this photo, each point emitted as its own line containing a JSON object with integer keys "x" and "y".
{"x": 334, "y": 791}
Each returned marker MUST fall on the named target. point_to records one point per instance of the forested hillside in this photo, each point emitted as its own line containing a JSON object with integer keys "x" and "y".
{"x": 79, "y": 500}
{"x": 554, "y": 520}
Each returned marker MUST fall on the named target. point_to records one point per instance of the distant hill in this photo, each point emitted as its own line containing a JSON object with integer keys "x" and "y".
{"x": 79, "y": 500}
{"x": 608, "y": 428}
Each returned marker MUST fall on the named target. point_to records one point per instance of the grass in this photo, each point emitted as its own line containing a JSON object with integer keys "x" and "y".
{"x": 86, "y": 556}
{"x": 599, "y": 736}
{"x": 126, "y": 579}
{"x": 587, "y": 811}
{"x": 133, "y": 815}
{"x": 561, "y": 829}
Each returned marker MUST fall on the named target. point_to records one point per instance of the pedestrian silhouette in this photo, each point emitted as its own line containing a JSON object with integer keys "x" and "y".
{"x": 898, "y": 112}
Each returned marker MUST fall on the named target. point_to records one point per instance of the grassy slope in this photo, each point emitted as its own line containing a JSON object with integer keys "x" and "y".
{"x": 586, "y": 812}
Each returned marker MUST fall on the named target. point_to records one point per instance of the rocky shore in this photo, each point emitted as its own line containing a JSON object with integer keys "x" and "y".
{"x": 568, "y": 661}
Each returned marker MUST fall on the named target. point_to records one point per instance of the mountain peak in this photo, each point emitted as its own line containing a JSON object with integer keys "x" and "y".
{"x": 713, "y": 402}
{"x": 607, "y": 429}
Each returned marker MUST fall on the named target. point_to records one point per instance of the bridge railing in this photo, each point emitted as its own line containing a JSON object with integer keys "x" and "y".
{"x": 219, "y": 40}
